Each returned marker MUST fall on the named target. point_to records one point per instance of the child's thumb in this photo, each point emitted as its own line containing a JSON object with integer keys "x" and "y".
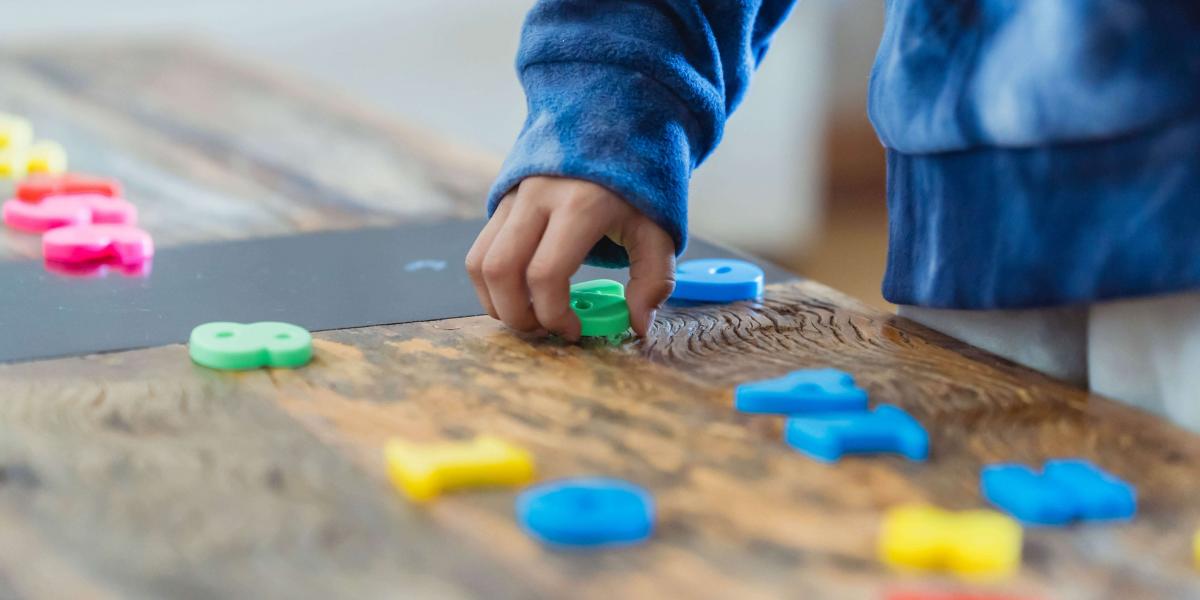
{"x": 651, "y": 272}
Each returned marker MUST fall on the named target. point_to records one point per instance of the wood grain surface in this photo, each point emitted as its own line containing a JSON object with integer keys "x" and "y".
{"x": 140, "y": 474}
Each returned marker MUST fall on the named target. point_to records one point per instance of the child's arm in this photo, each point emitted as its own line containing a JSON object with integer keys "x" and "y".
{"x": 625, "y": 99}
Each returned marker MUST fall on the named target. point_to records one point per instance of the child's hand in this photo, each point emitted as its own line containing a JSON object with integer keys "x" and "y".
{"x": 523, "y": 259}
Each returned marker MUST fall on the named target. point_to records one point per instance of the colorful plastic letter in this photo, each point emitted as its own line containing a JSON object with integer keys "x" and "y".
{"x": 94, "y": 270}
{"x": 63, "y": 211}
{"x": 423, "y": 472}
{"x": 38, "y": 187}
{"x": 601, "y": 308}
{"x": 1065, "y": 491}
{"x": 115, "y": 244}
{"x": 587, "y": 512}
{"x": 800, "y": 392}
{"x": 239, "y": 346}
{"x": 973, "y": 544}
{"x": 1196, "y": 549}
{"x": 717, "y": 280}
{"x": 46, "y": 157}
{"x": 887, "y": 429}
{"x": 13, "y": 162}
{"x": 15, "y": 132}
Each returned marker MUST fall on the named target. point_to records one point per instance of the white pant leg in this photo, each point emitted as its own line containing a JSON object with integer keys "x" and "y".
{"x": 1146, "y": 352}
{"x": 1050, "y": 340}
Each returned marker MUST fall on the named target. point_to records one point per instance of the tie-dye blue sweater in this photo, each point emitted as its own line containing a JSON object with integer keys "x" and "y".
{"x": 1039, "y": 153}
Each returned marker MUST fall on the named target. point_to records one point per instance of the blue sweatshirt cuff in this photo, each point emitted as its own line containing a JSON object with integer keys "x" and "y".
{"x": 614, "y": 127}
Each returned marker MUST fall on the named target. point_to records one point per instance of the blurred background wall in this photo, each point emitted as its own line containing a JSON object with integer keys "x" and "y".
{"x": 799, "y": 177}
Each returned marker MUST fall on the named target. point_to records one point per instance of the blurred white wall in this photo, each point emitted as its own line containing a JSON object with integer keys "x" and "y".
{"x": 761, "y": 190}
{"x": 448, "y": 65}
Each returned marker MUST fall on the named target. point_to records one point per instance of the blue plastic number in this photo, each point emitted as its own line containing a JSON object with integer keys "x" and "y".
{"x": 587, "y": 512}
{"x": 801, "y": 392}
{"x": 717, "y": 280}
{"x": 886, "y": 430}
{"x": 1064, "y": 492}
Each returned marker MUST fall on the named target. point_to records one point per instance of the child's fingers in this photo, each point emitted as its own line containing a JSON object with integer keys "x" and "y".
{"x": 506, "y": 261}
{"x": 522, "y": 261}
{"x": 651, "y": 272}
{"x": 479, "y": 250}
{"x": 568, "y": 238}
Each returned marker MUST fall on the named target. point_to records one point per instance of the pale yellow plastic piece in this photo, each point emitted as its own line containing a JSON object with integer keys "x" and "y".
{"x": 13, "y": 162}
{"x": 15, "y": 132}
{"x": 1196, "y": 549}
{"x": 47, "y": 157}
{"x": 423, "y": 472}
{"x": 973, "y": 544}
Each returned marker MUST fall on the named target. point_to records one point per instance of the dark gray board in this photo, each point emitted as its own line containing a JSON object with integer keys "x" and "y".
{"x": 320, "y": 281}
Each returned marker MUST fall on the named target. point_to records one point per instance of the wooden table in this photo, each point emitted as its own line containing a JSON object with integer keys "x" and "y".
{"x": 140, "y": 474}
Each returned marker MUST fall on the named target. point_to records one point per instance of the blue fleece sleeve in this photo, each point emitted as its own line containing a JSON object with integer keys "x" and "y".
{"x": 633, "y": 95}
